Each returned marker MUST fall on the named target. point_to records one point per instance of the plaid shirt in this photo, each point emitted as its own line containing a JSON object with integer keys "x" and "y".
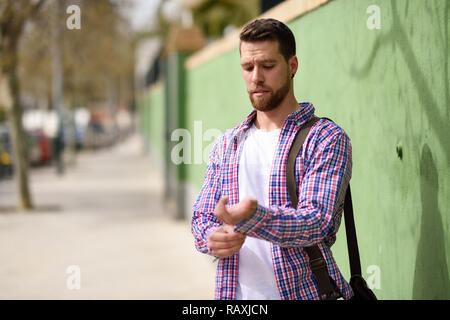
{"x": 323, "y": 170}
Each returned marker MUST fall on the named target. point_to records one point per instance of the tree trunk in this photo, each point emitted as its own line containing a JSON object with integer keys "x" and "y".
{"x": 12, "y": 21}
{"x": 19, "y": 142}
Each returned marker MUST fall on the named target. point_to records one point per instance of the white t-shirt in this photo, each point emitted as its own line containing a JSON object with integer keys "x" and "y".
{"x": 256, "y": 280}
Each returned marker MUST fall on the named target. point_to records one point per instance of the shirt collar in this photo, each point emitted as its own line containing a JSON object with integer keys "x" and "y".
{"x": 296, "y": 118}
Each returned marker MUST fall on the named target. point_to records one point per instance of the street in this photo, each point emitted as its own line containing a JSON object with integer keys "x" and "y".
{"x": 104, "y": 218}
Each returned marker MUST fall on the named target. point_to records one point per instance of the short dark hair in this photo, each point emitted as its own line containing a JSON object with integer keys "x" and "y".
{"x": 270, "y": 29}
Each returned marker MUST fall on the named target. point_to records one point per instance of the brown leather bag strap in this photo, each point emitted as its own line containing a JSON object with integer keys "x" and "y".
{"x": 319, "y": 268}
{"x": 316, "y": 261}
{"x": 293, "y": 152}
{"x": 350, "y": 230}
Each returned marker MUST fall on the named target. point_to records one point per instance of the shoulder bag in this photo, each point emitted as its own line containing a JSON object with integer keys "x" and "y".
{"x": 317, "y": 262}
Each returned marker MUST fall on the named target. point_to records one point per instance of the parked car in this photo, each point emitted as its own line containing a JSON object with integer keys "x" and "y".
{"x": 39, "y": 148}
{"x": 6, "y": 163}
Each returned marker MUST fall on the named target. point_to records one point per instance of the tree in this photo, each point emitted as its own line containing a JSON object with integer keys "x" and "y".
{"x": 14, "y": 14}
{"x": 213, "y": 16}
{"x": 97, "y": 62}
{"x": 97, "y": 59}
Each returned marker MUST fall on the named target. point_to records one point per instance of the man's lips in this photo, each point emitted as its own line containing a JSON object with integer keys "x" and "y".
{"x": 259, "y": 92}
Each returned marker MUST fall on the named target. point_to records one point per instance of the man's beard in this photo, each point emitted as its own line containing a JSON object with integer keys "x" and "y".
{"x": 272, "y": 102}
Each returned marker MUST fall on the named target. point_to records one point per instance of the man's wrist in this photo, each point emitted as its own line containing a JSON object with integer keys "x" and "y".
{"x": 255, "y": 221}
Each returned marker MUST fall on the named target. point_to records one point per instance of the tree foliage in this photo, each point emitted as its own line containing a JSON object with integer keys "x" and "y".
{"x": 213, "y": 16}
{"x": 98, "y": 59}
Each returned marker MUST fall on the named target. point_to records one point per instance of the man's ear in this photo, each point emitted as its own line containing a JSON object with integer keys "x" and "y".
{"x": 293, "y": 65}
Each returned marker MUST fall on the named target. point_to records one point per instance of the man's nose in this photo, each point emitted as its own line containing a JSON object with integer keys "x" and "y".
{"x": 257, "y": 75}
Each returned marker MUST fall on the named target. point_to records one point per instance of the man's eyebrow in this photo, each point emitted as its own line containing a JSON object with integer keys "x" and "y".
{"x": 245, "y": 63}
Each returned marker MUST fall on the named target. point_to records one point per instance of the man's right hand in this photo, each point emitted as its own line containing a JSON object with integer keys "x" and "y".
{"x": 224, "y": 241}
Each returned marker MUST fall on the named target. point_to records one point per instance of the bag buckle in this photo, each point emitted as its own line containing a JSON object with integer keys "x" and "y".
{"x": 316, "y": 264}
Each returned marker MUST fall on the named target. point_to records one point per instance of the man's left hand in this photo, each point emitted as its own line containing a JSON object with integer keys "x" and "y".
{"x": 236, "y": 213}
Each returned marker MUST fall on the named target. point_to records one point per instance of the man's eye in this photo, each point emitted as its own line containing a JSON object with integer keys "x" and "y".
{"x": 268, "y": 67}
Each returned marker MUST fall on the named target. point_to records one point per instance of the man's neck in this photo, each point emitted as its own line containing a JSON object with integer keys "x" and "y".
{"x": 274, "y": 119}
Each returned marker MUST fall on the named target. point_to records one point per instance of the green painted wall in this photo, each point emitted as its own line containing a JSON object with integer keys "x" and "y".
{"x": 217, "y": 97}
{"x": 150, "y": 106}
{"x": 389, "y": 89}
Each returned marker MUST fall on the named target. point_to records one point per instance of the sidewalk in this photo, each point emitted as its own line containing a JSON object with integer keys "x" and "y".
{"x": 106, "y": 216}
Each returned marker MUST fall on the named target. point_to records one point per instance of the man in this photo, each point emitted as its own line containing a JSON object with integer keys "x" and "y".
{"x": 243, "y": 215}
